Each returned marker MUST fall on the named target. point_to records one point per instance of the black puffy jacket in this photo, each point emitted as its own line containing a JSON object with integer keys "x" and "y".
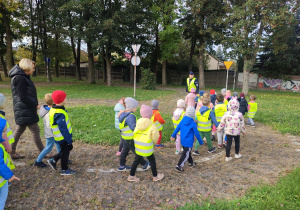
{"x": 243, "y": 105}
{"x": 24, "y": 97}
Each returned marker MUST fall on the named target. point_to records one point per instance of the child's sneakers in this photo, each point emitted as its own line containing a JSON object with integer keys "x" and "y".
{"x": 67, "y": 172}
{"x": 158, "y": 177}
{"x": 52, "y": 163}
{"x": 192, "y": 164}
{"x": 211, "y": 150}
{"x": 220, "y": 146}
{"x": 253, "y": 126}
{"x": 196, "y": 153}
{"x": 133, "y": 179}
{"x": 124, "y": 168}
{"x": 177, "y": 152}
{"x": 237, "y": 156}
{"x": 179, "y": 169}
{"x": 40, "y": 164}
{"x": 228, "y": 159}
{"x": 159, "y": 146}
{"x": 146, "y": 166}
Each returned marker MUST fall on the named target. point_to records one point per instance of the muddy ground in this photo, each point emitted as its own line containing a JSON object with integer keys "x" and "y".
{"x": 266, "y": 155}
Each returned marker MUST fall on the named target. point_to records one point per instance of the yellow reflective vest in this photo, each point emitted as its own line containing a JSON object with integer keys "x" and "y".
{"x": 55, "y": 129}
{"x": 176, "y": 122}
{"x": 143, "y": 145}
{"x": 157, "y": 124}
{"x": 9, "y": 132}
{"x": 191, "y": 84}
{"x": 204, "y": 124}
{"x": 126, "y": 132}
{"x": 8, "y": 163}
{"x": 253, "y": 109}
{"x": 220, "y": 110}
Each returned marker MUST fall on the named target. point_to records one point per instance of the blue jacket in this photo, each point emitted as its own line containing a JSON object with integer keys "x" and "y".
{"x": 5, "y": 172}
{"x": 130, "y": 119}
{"x": 188, "y": 129}
{"x": 60, "y": 120}
{"x": 213, "y": 99}
{"x": 212, "y": 116}
{"x": 117, "y": 109}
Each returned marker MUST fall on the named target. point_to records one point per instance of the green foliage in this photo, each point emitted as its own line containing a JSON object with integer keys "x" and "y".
{"x": 284, "y": 195}
{"x": 148, "y": 81}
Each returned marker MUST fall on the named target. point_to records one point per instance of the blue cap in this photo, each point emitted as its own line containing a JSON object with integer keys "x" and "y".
{"x": 201, "y": 92}
{"x": 191, "y": 73}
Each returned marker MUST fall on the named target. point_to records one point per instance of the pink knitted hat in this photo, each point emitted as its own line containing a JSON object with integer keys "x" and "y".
{"x": 193, "y": 90}
{"x": 146, "y": 111}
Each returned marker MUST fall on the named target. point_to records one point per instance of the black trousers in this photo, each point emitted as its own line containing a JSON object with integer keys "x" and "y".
{"x": 185, "y": 156}
{"x": 229, "y": 143}
{"x": 63, "y": 155}
{"x": 127, "y": 146}
{"x": 138, "y": 159}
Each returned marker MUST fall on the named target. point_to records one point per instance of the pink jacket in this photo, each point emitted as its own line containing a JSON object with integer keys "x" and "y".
{"x": 233, "y": 120}
{"x": 190, "y": 99}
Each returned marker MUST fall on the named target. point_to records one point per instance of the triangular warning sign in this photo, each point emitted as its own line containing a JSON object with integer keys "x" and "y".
{"x": 228, "y": 64}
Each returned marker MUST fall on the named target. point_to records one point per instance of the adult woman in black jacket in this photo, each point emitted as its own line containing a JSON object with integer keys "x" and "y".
{"x": 25, "y": 103}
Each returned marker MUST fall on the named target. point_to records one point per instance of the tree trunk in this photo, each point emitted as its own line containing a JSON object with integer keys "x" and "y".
{"x": 248, "y": 63}
{"x": 8, "y": 37}
{"x": 104, "y": 65}
{"x": 108, "y": 67}
{"x": 164, "y": 73}
{"x": 201, "y": 69}
{"x": 4, "y": 66}
{"x": 193, "y": 44}
{"x": 32, "y": 20}
{"x": 56, "y": 58}
{"x": 56, "y": 68}
{"x": 0, "y": 77}
{"x": 91, "y": 72}
{"x": 77, "y": 60}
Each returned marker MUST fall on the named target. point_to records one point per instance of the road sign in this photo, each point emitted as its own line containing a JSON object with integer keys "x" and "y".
{"x": 135, "y": 60}
{"x": 228, "y": 64}
{"x": 136, "y": 47}
{"x": 47, "y": 60}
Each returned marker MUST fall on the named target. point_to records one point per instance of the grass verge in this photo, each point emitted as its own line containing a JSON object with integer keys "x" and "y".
{"x": 284, "y": 195}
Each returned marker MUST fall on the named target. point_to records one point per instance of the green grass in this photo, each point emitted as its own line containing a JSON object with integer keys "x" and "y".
{"x": 84, "y": 90}
{"x": 101, "y": 129}
{"x": 284, "y": 195}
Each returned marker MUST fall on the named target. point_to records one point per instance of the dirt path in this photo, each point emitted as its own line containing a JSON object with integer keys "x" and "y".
{"x": 266, "y": 156}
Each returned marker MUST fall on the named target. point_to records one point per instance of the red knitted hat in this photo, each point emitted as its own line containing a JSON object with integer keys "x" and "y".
{"x": 212, "y": 91}
{"x": 58, "y": 96}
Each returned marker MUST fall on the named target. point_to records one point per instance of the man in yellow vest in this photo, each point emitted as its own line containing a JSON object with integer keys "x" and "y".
{"x": 5, "y": 168}
{"x": 145, "y": 136}
{"x": 192, "y": 82}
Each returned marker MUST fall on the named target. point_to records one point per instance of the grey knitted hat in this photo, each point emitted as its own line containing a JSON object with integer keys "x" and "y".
{"x": 235, "y": 94}
{"x": 190, "y": 111}
{"x": 223, "y": 91}
{"x": 154, "y": 104}
{"x": 130, "y": 103}
{"x": 2, "y": 99}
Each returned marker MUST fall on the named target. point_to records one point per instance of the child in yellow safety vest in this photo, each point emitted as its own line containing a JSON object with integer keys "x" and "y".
{"x": 178, "y": 114}
{"x": 205, "y": 117}
{"x": 219, "y": 110}
{"x": 158, "y": 121}
{"x": 145, "y": 136}
{"x": 7, "y": 136}
{"x": 5, "y": 167}
{"x": 252, "y": 108}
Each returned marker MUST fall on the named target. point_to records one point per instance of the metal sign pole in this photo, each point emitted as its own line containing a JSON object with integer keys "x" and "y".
{"x": 134, "y": 76}
{"x": 227, "y": 79}
{"x": 234, "y": 79}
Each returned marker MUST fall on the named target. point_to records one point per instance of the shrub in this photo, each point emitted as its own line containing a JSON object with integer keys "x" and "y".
{"x": 148, "y": 81}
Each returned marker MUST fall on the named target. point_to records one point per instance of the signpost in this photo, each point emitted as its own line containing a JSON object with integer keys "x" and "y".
{"x": 47, "y": 61}
{"x": 135, "y": 60}
{"x": 227, "y": 64}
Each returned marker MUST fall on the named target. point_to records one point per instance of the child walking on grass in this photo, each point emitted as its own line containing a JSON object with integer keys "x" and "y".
{"x": 118, "y": 107}
{"x": 233, "y": 123}
{"x": 145, "y": 136}
{"x": 50, "y": 141}
{"x": 6, "y": 175}
{"x": 205, "y": 117}
{"x": 243, "y": 104}
{"x": 219, "y": 111}
{"x": 252, "y": 109}
{"x": 188, "y": 129}
{"x": 178, "y": 115}
{"x": 158, "y": 121}
{"x": 127, "y": 121}
{"x": 62, "y": 132}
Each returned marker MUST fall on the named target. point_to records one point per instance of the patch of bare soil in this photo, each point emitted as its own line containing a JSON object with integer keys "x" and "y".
{"x": 266, "y": 155}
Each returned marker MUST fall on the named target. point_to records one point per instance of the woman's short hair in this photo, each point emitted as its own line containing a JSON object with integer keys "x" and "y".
{"x": 26, "y": 64}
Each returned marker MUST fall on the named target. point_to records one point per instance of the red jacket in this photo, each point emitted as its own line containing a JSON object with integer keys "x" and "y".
{"x": 158, "y": 117}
